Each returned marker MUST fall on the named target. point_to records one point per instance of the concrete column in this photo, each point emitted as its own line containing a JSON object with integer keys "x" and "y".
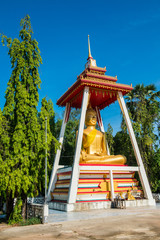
{"x": 58, "y": 154}
{"x": 142, "y": 172}
{"x": 45, "y": 213}
{"x": 112, "y": 185}
{"x": 75, "y": 170}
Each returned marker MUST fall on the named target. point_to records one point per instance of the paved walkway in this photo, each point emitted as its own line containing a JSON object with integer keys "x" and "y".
{"x": 141, "y": 223}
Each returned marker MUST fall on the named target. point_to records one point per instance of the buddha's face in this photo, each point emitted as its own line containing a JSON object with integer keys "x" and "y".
{"x": 91, "y": 118}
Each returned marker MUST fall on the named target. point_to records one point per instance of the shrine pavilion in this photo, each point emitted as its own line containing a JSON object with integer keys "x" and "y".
{"x": 95, "y": 186}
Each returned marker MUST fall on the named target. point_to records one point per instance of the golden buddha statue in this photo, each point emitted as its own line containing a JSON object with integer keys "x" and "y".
{"x": 94, "y": 145}
{"x": 129, "y": 195}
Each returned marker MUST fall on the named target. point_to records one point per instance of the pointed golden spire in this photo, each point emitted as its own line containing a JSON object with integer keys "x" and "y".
{"x": 90, "y": 60}
{"x": 89, "y": 49}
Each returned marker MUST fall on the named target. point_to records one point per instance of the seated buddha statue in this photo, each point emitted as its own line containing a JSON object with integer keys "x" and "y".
{"x": 94, "y": 145}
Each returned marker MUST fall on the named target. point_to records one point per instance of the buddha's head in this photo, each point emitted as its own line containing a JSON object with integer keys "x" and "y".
{"x": 91, "y": 117}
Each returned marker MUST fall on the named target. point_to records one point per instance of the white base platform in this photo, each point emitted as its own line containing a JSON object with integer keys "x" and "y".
{"x": 97, "y": 205}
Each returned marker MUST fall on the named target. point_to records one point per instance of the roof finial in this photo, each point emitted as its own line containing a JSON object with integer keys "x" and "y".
{"x": 89, "y": 49}
{"x": 90, "y": 60}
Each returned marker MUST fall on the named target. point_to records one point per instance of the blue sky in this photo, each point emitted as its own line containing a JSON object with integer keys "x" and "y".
{"x": 124, "y": 36}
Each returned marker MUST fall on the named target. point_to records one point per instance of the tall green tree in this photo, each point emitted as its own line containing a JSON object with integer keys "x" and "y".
{"x": 21, "y": 163}
{"x": 144, "y": 109}
{"x": 4, "y": 154}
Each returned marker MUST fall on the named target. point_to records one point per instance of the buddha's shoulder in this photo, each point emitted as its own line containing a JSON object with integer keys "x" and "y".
{"x": 99, "y": 133}
{"x": 85, "y": 131}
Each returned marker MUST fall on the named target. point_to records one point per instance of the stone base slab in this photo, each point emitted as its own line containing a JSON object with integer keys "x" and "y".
{"x": 83, "y": 206}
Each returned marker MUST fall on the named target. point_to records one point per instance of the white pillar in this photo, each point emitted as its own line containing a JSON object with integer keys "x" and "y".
{"x": 75, "y": 170}
{"x": 112, "y": 185}
{"x": 58, "y": 154}
{"x": 102, "y": 127}
{"x": 142, "y": 172}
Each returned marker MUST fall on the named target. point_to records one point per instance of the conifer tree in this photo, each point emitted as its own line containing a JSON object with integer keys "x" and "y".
{"x": 21, "y": 163}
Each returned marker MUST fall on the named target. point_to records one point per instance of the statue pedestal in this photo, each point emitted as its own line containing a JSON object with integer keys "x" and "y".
{"x": 95, "y": 188}
{"x": 83, "y": 206}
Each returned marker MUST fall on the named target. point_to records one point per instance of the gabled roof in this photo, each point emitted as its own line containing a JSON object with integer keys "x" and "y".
{"x": 103, "y": 89}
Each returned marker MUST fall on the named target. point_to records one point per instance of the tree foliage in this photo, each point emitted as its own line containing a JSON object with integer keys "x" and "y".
{"x": 22, "y": 131}
{"x": 144, "y": 109}
{"x": 122, "y": 145}
{"x": 110, "y": 139}
{"x": 21, "y": 113}
{"x": 47, "y": 114}
{"x": 68, "y": 149}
